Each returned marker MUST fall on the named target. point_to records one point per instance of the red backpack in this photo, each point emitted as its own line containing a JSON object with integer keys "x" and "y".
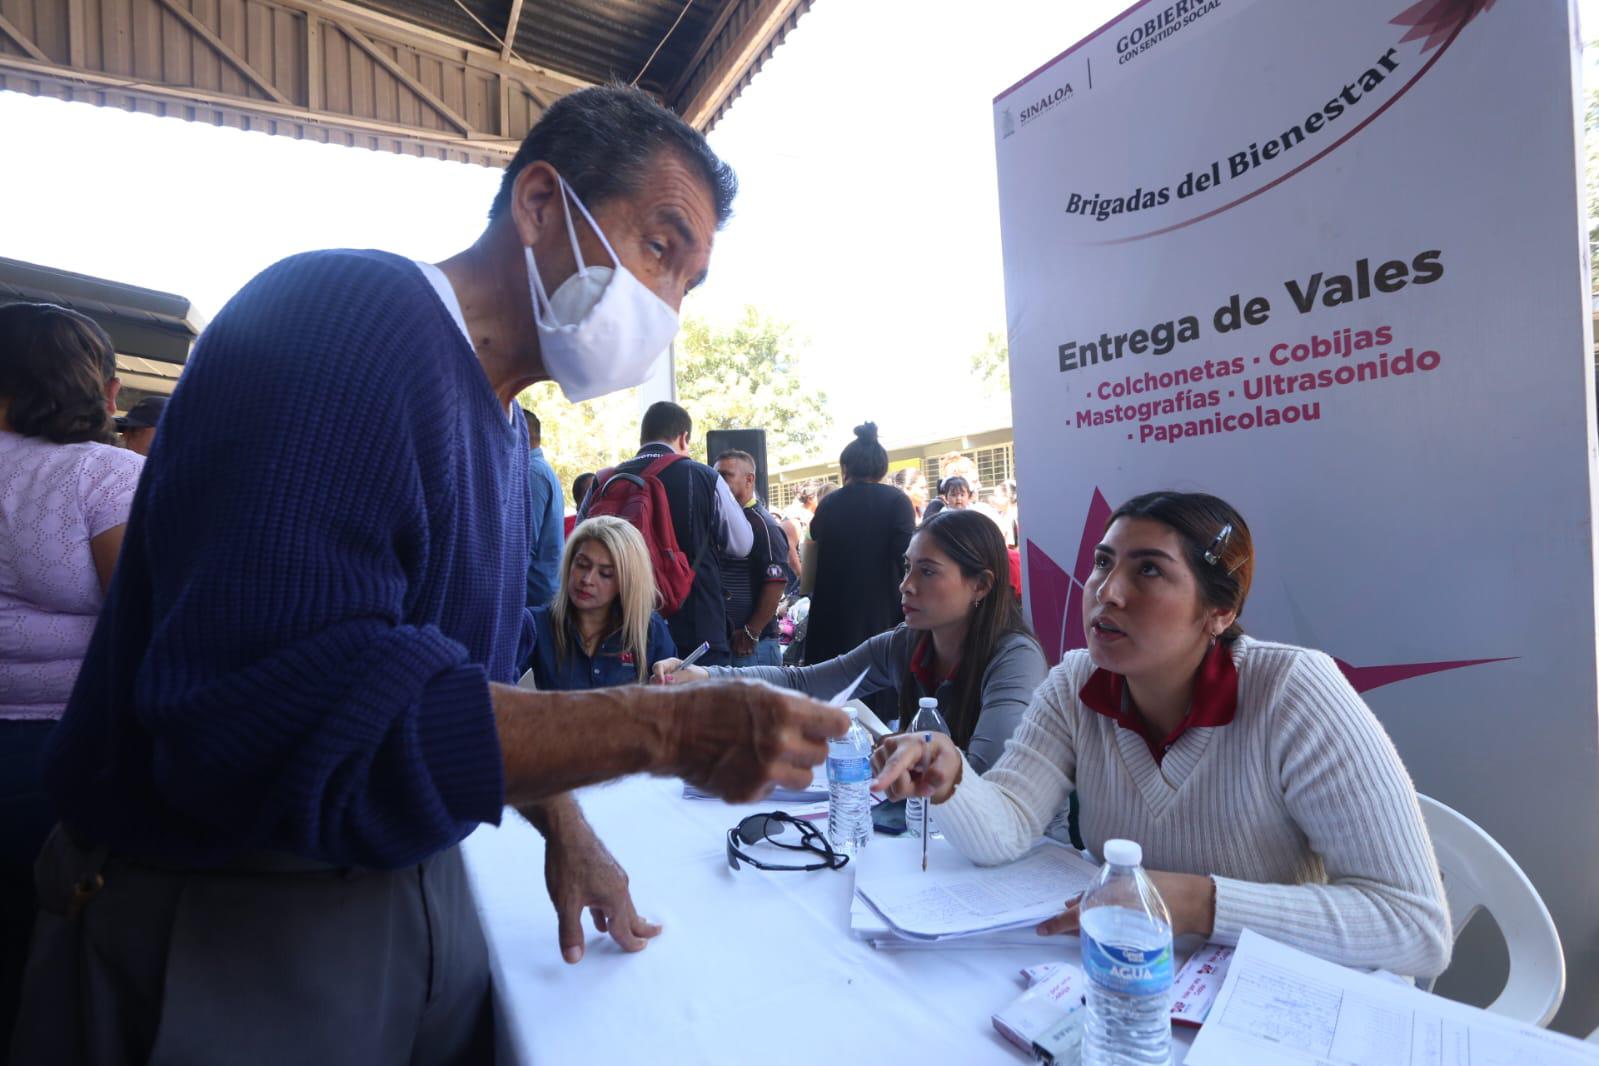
{"x": 640, "y": 500}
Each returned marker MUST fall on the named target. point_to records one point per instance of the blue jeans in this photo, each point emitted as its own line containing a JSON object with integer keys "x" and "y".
{"x": 768, "y": 652}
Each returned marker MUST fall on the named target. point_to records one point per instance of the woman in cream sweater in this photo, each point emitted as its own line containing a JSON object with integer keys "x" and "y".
{"x": 1264, "y": 792}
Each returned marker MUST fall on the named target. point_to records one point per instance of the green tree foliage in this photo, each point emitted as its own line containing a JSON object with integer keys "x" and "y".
{"x": 583, "y": 437}
{"x": 991, "y": 365}
{"x": 747, "y": 376}
{"x": 741, "y": 377}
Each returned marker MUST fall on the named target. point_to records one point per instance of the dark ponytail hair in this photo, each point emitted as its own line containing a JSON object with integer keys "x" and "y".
{"x": 863, "y": 459}
{"x": 54, "y": 367}
{"x": 1221, "y": 558}
{"x": 974, "y": 543}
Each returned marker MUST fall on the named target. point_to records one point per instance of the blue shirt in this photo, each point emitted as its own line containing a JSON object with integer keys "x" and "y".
{"x": 322, "y": 572}
{"x": 610, "y": 666}
{"x": 547, "y": 534}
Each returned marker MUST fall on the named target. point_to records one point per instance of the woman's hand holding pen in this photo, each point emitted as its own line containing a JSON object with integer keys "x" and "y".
{"x": 912, "y": 764}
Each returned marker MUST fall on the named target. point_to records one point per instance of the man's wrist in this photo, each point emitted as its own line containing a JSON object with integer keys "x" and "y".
{"x": 556, "y": 818}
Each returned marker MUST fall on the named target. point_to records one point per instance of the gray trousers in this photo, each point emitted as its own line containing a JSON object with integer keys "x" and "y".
{"x": 269, "y": 961}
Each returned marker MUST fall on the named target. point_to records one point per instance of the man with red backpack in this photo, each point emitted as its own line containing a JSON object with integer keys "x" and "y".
{"x": 700, "y": 520}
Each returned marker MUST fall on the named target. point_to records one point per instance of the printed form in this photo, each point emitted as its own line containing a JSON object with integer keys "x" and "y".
{"x": 956, "y": 898}
{"x": 1279, "y": 1005}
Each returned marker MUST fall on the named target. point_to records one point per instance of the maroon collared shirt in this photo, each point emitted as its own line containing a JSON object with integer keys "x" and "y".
{"x": 1215, "y": 700}
{"x": 922, "y": 666}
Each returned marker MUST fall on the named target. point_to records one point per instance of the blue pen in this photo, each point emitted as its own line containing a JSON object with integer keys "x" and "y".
{"x": 694, "y": 656}
{"x": 704, "y": 647}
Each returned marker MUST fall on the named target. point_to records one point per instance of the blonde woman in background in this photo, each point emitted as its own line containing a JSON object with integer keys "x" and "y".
{"x": 602, "y": 629}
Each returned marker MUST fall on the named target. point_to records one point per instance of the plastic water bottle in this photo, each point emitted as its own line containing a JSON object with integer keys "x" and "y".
{"x": 849, "y": 787}
{"x": 1127, "y": 955}
{"x": 927, "y": 720}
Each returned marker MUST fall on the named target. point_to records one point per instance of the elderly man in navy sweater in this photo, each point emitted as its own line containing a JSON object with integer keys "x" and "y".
{"x": 299, "y": 696}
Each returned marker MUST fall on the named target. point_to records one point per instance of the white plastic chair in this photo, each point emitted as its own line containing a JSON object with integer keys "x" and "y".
{"x": 1480, "y": 875}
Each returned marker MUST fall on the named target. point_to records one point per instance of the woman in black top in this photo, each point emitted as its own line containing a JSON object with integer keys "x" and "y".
{"x": 860, "y": 532}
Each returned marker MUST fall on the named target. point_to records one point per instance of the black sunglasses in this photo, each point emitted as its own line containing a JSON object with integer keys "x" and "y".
{"x": 767, "y": 827}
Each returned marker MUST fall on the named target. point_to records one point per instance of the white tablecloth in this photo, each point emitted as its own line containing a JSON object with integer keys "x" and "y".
{"x": 752, "y": 967}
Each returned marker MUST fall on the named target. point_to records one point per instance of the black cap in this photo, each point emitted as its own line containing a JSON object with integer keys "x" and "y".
{"x": 145, "y": 414}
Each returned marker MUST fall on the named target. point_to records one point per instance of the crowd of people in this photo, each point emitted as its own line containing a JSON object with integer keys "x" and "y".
{"x": 256, "y": 687}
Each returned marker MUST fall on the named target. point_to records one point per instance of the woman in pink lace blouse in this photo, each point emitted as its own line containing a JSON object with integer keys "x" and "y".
{"x": 65, "y": 492}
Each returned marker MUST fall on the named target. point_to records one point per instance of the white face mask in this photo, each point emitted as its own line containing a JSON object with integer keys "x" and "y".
{"x": 601, "y": 330}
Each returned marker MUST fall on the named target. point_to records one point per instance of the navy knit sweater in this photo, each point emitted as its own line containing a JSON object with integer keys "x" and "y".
{"x": 323, "y": 570}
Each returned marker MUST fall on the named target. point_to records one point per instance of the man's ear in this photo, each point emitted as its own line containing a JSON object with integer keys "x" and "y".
{"x": 534, "y": 197}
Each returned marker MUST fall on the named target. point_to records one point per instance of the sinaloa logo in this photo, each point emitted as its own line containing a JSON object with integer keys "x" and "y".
{"x": 1055, "y": 97}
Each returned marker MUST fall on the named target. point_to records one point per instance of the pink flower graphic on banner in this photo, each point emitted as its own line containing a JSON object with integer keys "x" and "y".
{"x": 1438, "y": 20}
{"x": 1057, "y": 601}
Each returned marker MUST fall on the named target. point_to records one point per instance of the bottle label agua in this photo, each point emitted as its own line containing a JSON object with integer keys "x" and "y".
{"x": 1127, "y": 970}
{"x": 849, "y": 771}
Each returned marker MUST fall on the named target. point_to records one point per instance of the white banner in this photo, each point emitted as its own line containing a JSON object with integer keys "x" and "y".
{"x": 1327, "y": 261}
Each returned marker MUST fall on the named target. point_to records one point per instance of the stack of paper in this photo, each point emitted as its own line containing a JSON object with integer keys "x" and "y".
{"x": 866, "y": 924}
{"x": 1279, "y": 1005}
{"x": 954, "y": 898}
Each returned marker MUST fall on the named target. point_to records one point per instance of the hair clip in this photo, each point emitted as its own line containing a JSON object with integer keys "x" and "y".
{"x": 1213, "y": 553}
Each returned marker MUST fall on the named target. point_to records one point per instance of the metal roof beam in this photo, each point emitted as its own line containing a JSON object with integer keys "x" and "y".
{"x": 80, "y": 79}
{"x": 22, "y": 40}
{"x": 510, "y": 31}
{"x": 399, "y": 74}
{"x": 220, "y": 47}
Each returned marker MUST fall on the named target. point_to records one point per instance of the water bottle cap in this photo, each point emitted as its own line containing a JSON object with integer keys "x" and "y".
{"x": 1123, "y": 853}
{"x": 928, "y": 702}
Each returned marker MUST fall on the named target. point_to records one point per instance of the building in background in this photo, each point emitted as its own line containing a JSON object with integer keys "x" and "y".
{"x": 991, "y": 449}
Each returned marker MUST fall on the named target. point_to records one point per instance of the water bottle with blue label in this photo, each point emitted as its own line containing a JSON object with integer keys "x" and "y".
{"x": 1127, "y": 956}
{"x": 849, "y": 787}
{"x": 927, "y": 720}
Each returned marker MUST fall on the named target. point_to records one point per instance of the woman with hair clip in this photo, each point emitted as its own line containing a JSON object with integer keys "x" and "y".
{"x": 1264, "y": 792}
{"x": 601, "y": 630}
{"x": 65, "y": 493}
{"x": 963, "y": 642}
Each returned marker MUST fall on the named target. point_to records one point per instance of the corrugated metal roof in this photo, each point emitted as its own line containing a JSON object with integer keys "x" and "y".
{"x": 594, "y": 40}
{"x": 428, "y": 77}
{"x": 597, "y": 41}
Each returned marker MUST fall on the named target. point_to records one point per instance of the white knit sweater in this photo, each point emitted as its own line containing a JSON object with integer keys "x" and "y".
{"x": 1299, "y": 809}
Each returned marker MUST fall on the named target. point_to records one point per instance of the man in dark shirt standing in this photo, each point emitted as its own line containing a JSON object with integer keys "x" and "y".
{"x": 708, "y": 523}
{"x": 753, "y": 585}
{"x": 300, "y": 694}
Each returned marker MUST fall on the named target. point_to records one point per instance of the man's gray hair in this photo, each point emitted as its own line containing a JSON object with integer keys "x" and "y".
{"x": 738, "y": 456}
{"x": 601, "y": 140}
